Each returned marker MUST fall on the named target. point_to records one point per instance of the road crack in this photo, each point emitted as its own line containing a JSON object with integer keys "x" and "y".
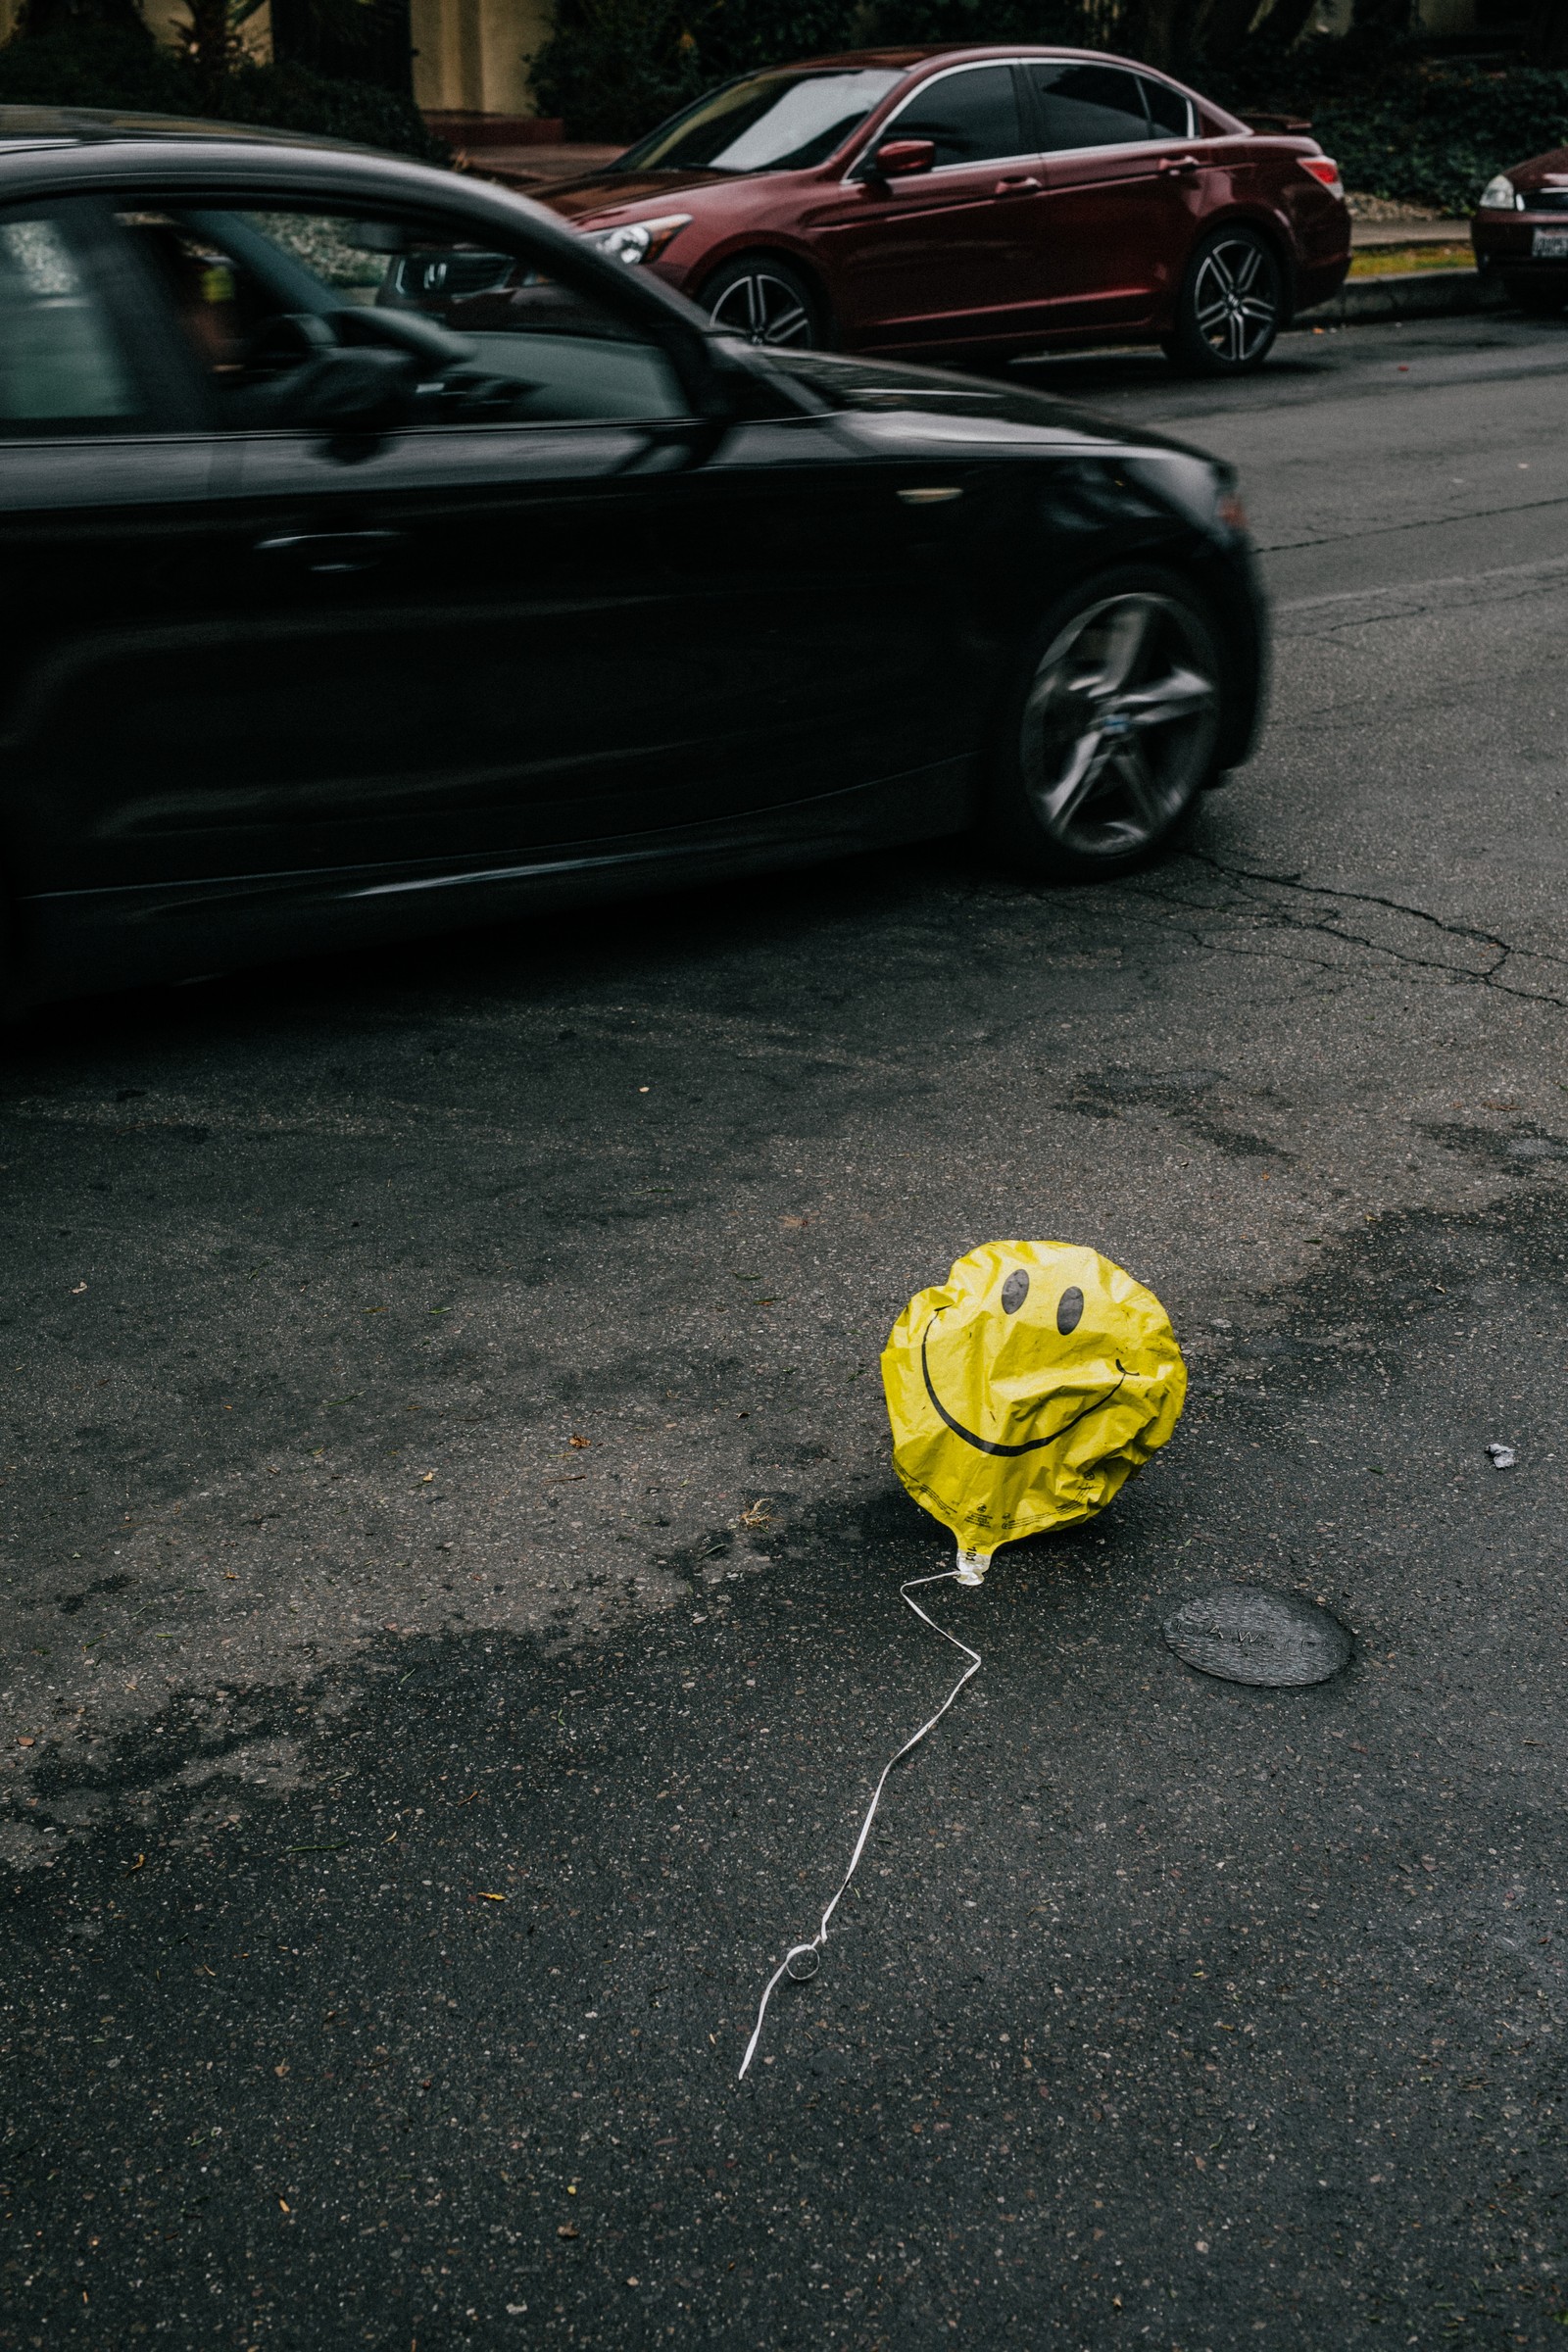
{"x": 1503, "y": 950}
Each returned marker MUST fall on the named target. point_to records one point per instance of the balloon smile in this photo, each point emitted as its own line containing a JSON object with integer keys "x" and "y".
{"x": 987, "y": 1445}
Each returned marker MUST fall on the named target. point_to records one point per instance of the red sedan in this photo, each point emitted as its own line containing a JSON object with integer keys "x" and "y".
{"x": 948, "y": 202}
{"x": 1520, "y": 231}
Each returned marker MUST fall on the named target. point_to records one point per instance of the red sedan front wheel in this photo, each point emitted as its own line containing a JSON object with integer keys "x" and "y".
{"x": 761, "y": 300}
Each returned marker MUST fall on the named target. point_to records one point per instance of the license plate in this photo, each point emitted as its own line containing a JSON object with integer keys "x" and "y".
{"x": 1550, "y": 244}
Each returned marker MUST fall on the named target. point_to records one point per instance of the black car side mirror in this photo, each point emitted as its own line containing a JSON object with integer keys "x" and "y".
{"x": 359, "y": 388}
{"x": 362, "y": 390}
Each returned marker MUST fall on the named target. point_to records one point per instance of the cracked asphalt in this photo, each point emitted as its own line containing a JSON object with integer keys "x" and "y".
{"x": 450, "y": 1557}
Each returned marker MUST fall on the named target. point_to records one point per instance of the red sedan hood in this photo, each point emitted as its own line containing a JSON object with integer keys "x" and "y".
{"x": 614, "y": 192}
{"x": 1542, "y": 170}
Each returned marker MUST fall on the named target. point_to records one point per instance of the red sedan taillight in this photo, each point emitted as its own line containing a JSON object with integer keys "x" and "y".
{"x": 1324, "y": 169}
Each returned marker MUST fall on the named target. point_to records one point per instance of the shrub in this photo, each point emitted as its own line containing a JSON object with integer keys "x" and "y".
{"x": 615, "y": 67}
{"x": 293, "y": 98}
{"x": 1400, "y": 124}
{"x": 129, "y": 73}
{"x": 113, "y": 68}
{"x": 1440, "y": 137}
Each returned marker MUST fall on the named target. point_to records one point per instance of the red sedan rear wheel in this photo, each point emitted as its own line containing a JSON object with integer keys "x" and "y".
{"x": 1230, "y": 307}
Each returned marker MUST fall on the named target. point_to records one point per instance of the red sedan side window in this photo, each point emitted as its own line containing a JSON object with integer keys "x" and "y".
{"x": 1090, "y": 106}
{"x": 970, "y": 116}
{"x": 1170, "y": 113}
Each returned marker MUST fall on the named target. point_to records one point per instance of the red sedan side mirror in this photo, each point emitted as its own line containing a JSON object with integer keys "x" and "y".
{"x": 898, "y": 159}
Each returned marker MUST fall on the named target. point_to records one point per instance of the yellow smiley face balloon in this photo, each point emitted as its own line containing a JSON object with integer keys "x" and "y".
{"x": 1025, "y": 1389}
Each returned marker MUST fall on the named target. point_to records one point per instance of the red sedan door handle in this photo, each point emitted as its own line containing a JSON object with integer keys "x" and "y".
{"x": 1179, "y": 167}
{"x": 1023, "y": 185}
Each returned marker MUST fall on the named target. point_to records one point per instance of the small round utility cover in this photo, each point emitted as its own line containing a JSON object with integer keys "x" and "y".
{"x": 1246, "y": 1633}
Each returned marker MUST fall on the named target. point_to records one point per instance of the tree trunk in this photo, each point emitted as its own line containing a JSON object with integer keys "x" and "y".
{"x": 1385, "y": 19}
{"x": 1286, "y": 22}
{"x": 1159, "y": 31}
{"x": 205, "y": 38}
{"x": 1547, "y": 39}
{"x": 354, "y": 40}
{"x": 1224, "y": 25}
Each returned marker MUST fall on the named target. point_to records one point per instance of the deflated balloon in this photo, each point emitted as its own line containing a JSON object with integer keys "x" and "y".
{"x": 1025, "y": 1390}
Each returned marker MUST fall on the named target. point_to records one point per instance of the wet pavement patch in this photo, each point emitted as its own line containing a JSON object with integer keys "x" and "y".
{"x": 1246, "y": 1634}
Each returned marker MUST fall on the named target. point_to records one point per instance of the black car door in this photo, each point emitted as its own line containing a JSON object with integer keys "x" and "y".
{"x": 548, "y": 617}
{"x": 109, "y": 549}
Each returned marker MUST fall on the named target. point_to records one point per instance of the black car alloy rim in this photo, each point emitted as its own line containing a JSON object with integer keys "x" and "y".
{"x": 764, "y": 309}
{"x": 1234, "y": 302}
{"x": 1119, "y": 725}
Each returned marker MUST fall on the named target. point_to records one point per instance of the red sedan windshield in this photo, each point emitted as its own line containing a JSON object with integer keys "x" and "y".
{"x": 769, "y": 122}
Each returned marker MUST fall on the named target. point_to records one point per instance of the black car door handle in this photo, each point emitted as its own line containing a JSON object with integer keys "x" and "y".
{"x": 330, "y": 551}
{"x": 1019, "y": 185}
{"x": 1178, "y": 167}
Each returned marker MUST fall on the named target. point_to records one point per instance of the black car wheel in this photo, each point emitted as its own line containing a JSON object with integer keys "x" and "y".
{"x": 1111, "y": 728}
{"x": 1230, "y": 306}
{"x": 764, "y": 301}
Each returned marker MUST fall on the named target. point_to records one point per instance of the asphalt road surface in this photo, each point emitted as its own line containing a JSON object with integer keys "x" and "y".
{"x": 452, "y": 1557}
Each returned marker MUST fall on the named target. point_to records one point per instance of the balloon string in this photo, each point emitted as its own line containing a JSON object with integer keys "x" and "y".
{"x": 810, "y": 1951}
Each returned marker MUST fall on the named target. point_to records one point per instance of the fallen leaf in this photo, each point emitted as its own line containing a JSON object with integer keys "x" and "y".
{"x": 77, "y": 1289}
{"x": 580, "y": 1443}
{"x": 425, "y": 1480}
{"x": 491, "y": 1898}
{"x": 566, "y": 2229}
{"x": 26, "y": 1742}
{"x": 281, "y": 2207}
{"x": 139, "y": 1863}
{"x": 281, "y": 2070}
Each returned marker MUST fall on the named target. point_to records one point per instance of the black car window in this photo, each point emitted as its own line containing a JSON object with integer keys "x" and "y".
{"x": 1088, "y": 106}
{"x": 1168, "y": 111}
{"x": 260, "y": 294}
{"x": 63, "y": 367}
{"x": 970, "y": 116}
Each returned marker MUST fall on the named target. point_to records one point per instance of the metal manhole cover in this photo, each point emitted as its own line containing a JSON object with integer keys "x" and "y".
{"x": 1246, "y": 1633}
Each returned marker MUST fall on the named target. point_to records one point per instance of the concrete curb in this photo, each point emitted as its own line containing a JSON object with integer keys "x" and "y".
{"x": 1408, "y": 294}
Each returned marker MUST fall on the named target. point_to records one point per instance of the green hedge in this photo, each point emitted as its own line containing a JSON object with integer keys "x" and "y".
{"x": 129, "y": 74}
{"x": 1402, "y": 124}
{"x": 1440, "y": 137}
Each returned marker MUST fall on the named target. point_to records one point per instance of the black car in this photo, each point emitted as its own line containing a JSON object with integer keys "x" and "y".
{"x": 377, "y": 556}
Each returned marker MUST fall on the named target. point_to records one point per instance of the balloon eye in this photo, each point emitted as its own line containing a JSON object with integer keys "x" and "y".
{"x": 1069, "y": 1310}
{"x": 1014, "y": 1291}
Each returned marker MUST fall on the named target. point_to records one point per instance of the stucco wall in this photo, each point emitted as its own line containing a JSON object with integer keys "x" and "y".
{"x": 471, "y": 56}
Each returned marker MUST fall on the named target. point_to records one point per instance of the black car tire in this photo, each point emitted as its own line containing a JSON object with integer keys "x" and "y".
{"x": 1540, "y": 301}
{"x": 1231, "y": 306}
{"x": 1109, "y": 728}
{"x": 761, "y": 298}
